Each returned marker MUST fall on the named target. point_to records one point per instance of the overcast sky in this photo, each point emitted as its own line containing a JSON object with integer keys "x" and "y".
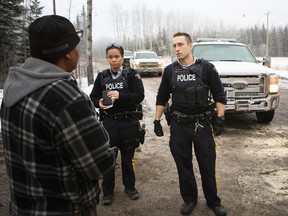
{"x": 242, "y": 14}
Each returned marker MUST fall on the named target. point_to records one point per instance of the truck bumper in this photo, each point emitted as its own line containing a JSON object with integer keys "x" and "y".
{"x": 148, "y": 70}
{"x": 252, "y": 105}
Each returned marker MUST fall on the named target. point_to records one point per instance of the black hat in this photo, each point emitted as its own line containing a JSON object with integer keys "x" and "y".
{"x": 52, "y": 36}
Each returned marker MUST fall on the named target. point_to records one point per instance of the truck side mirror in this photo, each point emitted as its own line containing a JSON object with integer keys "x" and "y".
{"x": 267, "y": 61}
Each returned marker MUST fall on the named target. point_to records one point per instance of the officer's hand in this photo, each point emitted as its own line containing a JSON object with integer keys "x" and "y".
{"x": 219, "y": 125}
{"x": 104, "y": 107}
{"x": 158, "y": 128}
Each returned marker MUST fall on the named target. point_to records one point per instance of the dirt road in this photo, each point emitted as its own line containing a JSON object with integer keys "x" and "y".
{"x": 252, "y": 168}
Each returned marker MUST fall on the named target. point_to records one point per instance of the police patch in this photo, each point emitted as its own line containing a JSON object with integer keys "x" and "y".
{"x": 138, "y": 76}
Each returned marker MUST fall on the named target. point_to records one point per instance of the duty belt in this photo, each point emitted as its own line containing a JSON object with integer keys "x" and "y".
{"x": 183, "y": 118}
{"x": 123, "y": 115}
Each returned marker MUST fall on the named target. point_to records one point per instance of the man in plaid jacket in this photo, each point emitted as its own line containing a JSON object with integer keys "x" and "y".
{"x": 55, "y": 149}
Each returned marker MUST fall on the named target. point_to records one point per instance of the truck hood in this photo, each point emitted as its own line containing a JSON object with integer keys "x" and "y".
{"x": 241, "y": 68}
{"x": 147, "y": 60}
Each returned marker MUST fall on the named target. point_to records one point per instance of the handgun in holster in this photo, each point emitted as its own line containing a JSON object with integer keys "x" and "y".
{"x": 212, "y": 109}
{"x": 167, "y": 113}
{"x": 141, "y": 133}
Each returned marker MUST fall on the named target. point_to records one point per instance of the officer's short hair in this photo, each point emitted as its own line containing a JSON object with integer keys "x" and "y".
{"x": 186, "y": 35}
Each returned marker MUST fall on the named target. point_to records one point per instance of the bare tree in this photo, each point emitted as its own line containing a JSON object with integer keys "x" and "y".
{"x": 90, "y": 75}
{"x": 125, "y": 30}
{"x": 137, "y": 27}
{"x": 54, "y": 7}
{"x": 69, "y": 8}
{"x": 117, "y": 19}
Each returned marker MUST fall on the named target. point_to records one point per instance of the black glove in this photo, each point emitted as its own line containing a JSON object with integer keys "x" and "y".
{"x": 158, "y": 128}
{"x": 219, "y": 125}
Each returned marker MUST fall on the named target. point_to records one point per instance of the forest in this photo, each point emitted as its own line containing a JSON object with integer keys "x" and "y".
{"x": 135, "y": 28}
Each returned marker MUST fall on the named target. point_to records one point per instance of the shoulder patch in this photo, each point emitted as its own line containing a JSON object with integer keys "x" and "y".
{"x": 138, "y": 76}
{"x": 175, "y": 63}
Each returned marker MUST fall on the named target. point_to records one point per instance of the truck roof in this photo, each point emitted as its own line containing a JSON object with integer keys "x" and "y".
{"x": 220, "y": 42}
{"x": 216, "y": 40}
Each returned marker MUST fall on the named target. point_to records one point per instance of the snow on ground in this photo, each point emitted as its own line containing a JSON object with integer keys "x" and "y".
{"x": 87, "y": 89}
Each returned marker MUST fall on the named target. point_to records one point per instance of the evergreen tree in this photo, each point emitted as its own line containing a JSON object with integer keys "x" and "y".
{"x": 35, "y": 11}
{"x": 31, "y": 11}
{"x": 10, "y": 34}
{"x": 285, "y": 41}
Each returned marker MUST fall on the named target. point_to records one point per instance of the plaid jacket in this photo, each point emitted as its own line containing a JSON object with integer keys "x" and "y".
{"x": 55, "y": 151}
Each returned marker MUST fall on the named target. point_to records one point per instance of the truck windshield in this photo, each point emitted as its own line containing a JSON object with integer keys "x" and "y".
{"x": 146, "y": 55}
{"x": 223, "y": 52}
{"x": 128, "y": 53}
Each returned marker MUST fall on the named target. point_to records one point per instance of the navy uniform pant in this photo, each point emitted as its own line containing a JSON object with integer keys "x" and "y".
{"x": 122, "y": 134}
{"x": 182, "y": 137}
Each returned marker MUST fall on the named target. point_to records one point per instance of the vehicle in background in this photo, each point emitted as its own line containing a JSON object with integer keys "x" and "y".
{"x": 127, "y": 56}
{"x": 249, "y": 86}
{"x": 174, "y": 58}
{"x": 146, "y": 62}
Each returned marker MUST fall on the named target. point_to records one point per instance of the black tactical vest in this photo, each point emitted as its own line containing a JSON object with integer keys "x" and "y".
{"x": 188, "y": 89}
{"x": 120, "y": 84}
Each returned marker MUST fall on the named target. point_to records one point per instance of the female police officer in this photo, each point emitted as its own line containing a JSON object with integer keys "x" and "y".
{"x": 190, "y": 80}
{"x": 120, "y": 117}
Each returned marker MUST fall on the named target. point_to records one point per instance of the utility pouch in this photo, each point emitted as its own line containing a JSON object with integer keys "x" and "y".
{"x": 139, "y": 111}
{"x": 137, "y": 114}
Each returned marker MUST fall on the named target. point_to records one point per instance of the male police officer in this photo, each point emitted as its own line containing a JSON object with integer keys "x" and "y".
{"x": 189, "y": 81}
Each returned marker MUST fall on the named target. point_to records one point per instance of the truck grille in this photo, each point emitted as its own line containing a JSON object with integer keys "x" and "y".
{"x": 148, "y": 64}
{"x": 245, "y": 87}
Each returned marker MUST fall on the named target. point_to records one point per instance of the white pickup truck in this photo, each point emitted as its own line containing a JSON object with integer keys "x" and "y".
{"x": 250, "y": 86}
{"x": 146, "y": 62}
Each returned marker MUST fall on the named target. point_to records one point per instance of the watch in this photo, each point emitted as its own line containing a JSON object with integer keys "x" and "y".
{"x": 221, "y": 117}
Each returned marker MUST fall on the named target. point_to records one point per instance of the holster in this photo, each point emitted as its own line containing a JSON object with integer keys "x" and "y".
{"x": 167, "y": 113}
{"x": 135, "y": 143}
{"x": 141, "y": 133}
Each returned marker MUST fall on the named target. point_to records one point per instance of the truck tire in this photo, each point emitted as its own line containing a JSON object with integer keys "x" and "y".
{"x": 265, "y": 117}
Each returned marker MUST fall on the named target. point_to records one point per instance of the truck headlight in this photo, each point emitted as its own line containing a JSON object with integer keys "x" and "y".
{"x": 273, "y": 84}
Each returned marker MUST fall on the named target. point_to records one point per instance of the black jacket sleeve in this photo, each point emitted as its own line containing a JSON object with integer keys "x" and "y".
{"x": 96, "y": 93}
{"x": 136, "y": 94}
{"x": 214, "y": 83}
{"x": 164, "y": 90}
